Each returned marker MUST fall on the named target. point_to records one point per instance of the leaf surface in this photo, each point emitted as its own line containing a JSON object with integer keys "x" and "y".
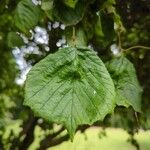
{"x": 128, "y": 90}
{"x": 47, "y": 6}
{"x": 69, "y": 15}
{"x": 14, "y": 40}
{"x": 26, "y": 15}
{"x": 70, "y": 3}
{"x": 71, "y": 87}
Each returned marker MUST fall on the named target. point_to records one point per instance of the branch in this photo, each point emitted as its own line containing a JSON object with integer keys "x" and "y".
{"x": 74, "y": 37}
{"x": 138, "y": 46}
{"x": 49, "y": 143}
{"x": 51, "y": 140}
{"x": 133, "y": 141}
{"x": 119, "y": 41}
{"x": 28, "y": 131}
{"x": 1, "y": 144}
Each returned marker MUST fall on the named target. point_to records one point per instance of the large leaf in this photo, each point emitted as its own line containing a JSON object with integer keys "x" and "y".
{"x": 68, "y": 12}
{"x": 27, "y": 15}
{"x": 71, "y": 87}
{"x": 128, "y": 91}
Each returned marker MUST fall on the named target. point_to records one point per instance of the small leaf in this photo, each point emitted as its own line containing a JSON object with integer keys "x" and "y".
{"x": 107, "y": 24}
{"x": 128, "y": 91}
{"x": 47, "y": 6}
{"x": 70, "y": 3}
{"x": 98, "y": 26}
{"x": 14, "y": 40}
{"x": 27, "y": 15}
{"x": 71, "y": 87}
{"x": 109, "y": 5}
{"x": 104, "y": 29}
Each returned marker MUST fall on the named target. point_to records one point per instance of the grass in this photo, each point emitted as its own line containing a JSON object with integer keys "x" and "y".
{"x": 115, "y": 139}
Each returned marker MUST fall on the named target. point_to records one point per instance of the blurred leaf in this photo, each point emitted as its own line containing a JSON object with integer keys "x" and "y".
{"x": 71, "y": 3}
{"x": 107, "y": 24}
{"x": 27, "y": 15}
{"x": 68, "y": 12}
{"x": 104, "y": 31}
{"x": 109, "y": 5}
{"x": 98, "y": 27}
{"x": 87, "y": 26}
{"x": 14, "y": 40}
{"x": 71, "y": 87}
{"x": 47, "y": 6}
{"x": 128, "y": 91}
{"x": 68, "y": 15}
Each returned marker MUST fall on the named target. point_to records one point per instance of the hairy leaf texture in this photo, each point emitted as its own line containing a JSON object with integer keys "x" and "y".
{"x": 70, "y": 87}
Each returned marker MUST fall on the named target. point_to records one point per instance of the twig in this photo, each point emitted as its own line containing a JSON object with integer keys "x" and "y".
{"x": 138, "y": 46}
{"x": 28, "y": 131}
{"x": 51, "y": 140}
{"x": 130, "y": 48}
{"x": 137, "y": 120}
{"x": 74, "y": 37}
{"x": 119, "y": 41}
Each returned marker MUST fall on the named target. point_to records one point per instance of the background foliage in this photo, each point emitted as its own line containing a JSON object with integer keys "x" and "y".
{"x": 99, "y": 24}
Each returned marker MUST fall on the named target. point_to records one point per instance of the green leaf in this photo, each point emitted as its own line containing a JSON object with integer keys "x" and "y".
{"x": 68, "y": 12}
{"x": 128, "y": 91}
{"x": 104, "y": 28}
{"x": 70, "y": 3}
{"x": 109, "y": 5}
{"x": 98, "y": 26}
{"x": 68, "y": 15}
{"x": 88, "y": 26}
{"x": 27, "y": 15}
{"x": 14, "y": 40}
{"x": 47, "y": 6}
{"x": 71, "y": 87}
{"x": 107, "y": 24}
